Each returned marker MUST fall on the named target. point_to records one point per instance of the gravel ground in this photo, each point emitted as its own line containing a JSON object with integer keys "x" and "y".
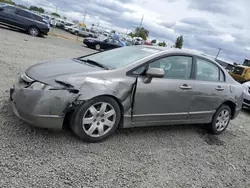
{"x": 172, "y": 156}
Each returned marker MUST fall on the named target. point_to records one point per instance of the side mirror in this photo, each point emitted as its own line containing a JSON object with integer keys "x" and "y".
{"x": 153, "y": 73}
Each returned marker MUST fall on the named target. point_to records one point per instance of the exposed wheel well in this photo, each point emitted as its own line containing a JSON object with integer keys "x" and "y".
{"x": 232, "y": 106}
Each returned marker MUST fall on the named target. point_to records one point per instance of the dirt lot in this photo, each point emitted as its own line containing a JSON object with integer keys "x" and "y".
{"x": 172, "y": 156}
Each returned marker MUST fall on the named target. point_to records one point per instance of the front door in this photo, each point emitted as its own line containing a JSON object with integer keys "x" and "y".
{"x": 8, "y": 15}
{"x": 210, "y": 90}
{"x": 165, "y": 99}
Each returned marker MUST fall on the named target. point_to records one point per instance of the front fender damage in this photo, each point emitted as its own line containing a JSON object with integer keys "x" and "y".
{"x": 90, "y": 87}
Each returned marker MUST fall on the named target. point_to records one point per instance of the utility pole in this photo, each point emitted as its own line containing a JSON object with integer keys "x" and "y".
{"x": 85, "y": 13}
{"x": 218, "y": 53}
{"x": 140, "y": 24}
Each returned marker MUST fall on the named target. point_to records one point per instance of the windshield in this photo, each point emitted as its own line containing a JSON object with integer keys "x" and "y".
{"x": 121, "y": 57}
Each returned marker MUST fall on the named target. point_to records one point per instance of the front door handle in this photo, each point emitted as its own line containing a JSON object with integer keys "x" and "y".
{"x": 185, "y": 87}
{"x": 219, "y": 88}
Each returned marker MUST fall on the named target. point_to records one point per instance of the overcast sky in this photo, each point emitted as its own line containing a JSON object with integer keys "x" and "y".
{"x": 205, "y": 24}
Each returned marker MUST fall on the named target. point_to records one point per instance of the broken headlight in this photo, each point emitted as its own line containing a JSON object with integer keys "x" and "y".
{"x": 39, "y": 86}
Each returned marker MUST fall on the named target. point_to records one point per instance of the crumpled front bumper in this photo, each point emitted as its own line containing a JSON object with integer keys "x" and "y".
{"x": 45, "y": 109}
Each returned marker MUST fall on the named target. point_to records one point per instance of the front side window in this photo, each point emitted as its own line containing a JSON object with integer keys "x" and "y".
{"x": 207, "y": 71}
{"x": 175, "y": 67}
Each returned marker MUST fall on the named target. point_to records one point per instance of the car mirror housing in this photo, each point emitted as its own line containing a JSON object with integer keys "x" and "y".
{"x": 153, "y": 73}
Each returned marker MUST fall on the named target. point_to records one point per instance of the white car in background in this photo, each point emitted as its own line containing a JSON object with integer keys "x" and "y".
{"x": 246, "y": 95}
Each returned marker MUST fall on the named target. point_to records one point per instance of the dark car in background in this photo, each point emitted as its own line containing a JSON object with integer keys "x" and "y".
{"x": 103, "y": 44}
{"x": 19, "y": 18}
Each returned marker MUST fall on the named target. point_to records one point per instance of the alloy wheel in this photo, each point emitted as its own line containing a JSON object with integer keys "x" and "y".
{"x": 99, "y": 119}
{"x": 34, "y": 32}
{"x": 97, "y": 47}
{"x": 222, "y": 120}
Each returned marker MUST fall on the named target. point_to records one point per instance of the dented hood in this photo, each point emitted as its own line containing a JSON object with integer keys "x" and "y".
{"x": 47, "y": 72}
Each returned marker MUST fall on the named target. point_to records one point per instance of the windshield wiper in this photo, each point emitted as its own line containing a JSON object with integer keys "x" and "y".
{"x": 92, "y": 62}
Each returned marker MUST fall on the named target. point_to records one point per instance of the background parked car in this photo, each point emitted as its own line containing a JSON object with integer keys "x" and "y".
{"x": 74, "y": 29}
{"x": 246, "y": 95}
{"x": 103, "y": 44}
{"x": 22, "y": 19}
{"x": 85, "y": 32}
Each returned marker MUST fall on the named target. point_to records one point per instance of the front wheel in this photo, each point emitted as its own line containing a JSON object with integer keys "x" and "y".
{"x": 220, "y": 120}
{"x": 96, "y": 119}
{"x": 33, "y": 31}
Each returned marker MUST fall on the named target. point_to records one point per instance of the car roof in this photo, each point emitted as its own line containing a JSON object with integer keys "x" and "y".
{"x": 22, "y": 9}
{"x": 176, "y": 50}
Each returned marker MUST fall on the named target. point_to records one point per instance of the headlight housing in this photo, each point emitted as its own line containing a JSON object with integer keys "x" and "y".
{"x": 39, "y": 86}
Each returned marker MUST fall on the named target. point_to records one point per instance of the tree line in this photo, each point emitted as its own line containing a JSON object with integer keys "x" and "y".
{"x": 144, "y": 33}
{"x": 139, "y": 32}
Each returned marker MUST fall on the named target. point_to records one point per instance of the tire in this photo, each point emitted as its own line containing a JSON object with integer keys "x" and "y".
{"x": 98, "y": 47}
{"x": 102, "y": 117}
{"x": 34, "y": 31}
{"x": 220, "y": 120}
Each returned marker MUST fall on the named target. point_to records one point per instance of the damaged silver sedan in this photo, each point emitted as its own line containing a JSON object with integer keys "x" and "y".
{"x": 127, "y": 87}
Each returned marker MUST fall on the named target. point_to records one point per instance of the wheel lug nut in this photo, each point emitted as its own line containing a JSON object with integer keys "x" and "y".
{"x": 102, "y": 120}
{"x": 102, "y": 115}
{"x": 94, "y": 120}
{"x": 98, "y": 123}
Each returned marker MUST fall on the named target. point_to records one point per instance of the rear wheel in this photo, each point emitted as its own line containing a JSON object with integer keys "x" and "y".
{"x": 34, "y": 31}
{"x": 97, "y": 47}
{"x": 221, "y": 120}
{"x": 96, "y": 119}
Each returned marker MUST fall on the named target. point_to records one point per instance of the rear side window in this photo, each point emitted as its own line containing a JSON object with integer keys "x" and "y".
{"x": 23, "y": 13}
{"x": 38, "y": 18}
{"x": 207, "y": 71}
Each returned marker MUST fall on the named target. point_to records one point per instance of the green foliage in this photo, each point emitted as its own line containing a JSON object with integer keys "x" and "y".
{"x": 162, "y": 44}
{"x": 37, "y": 9}
{"x": 55, "y": 14}
{"x": 22, "y": 6}
{"x": 8, "y": 2}
{"x": 179, "y": 42}
{"x": 140, "y": 32}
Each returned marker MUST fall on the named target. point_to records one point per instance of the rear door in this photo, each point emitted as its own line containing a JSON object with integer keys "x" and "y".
{"x": 210, "y": 89}
{"x": 8, "y": 15}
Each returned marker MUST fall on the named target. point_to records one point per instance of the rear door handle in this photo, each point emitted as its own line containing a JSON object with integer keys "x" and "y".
{"x": 185, "y": 87}
{"x": 219, "y": 88}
